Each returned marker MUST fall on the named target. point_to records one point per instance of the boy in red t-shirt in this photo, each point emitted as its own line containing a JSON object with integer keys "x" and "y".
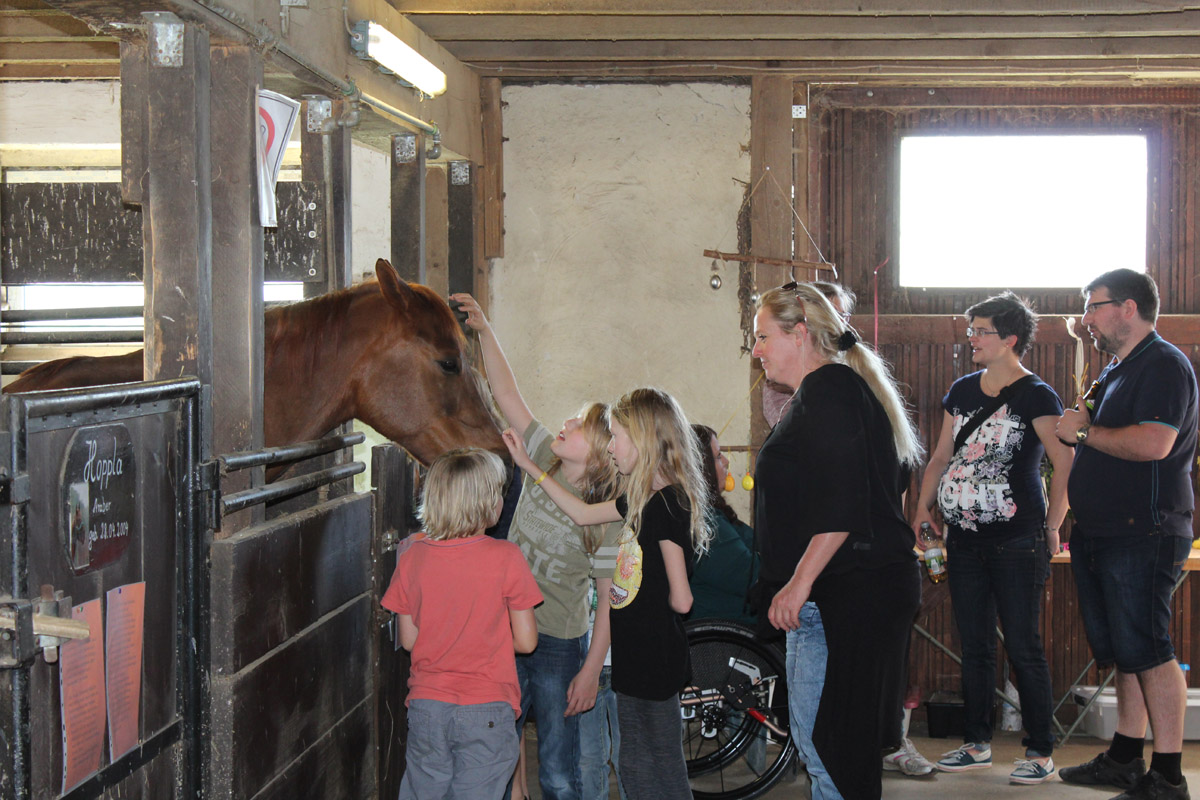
{"x": 465, "y": 604}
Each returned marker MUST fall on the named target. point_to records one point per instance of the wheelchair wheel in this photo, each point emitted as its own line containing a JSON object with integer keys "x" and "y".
{"x": 735, "y": 713}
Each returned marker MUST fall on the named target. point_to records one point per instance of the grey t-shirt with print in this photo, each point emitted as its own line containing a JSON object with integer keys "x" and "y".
{"x": 555, "y": 548}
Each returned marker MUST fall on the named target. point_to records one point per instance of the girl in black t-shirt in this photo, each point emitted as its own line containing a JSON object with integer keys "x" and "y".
{"x": 663, "y": 506}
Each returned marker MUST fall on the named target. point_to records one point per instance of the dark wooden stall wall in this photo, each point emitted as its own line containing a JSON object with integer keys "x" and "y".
{"x": 853, "y": 206}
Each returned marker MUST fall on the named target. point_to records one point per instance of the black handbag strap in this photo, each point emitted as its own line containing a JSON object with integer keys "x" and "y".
{"x": 989, "y": 408}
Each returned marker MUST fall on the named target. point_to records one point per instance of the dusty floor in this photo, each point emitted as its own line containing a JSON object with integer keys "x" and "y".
{"x": 976, "y": 785}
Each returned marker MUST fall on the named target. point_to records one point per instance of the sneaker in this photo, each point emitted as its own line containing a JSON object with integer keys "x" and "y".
{"x": 1103, "y": 771}
{"x": 1030, "y": 771}
{"x": 1153, "y": 786}
{"x": 908, "y": 761}
{"x": 963, "y": 759}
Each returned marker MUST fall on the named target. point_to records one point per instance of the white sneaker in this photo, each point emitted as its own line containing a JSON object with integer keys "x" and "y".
{"x": 908, "y": 761}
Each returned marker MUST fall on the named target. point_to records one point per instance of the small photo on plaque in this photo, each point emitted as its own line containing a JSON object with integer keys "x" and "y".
{"x": 77, "y": 521}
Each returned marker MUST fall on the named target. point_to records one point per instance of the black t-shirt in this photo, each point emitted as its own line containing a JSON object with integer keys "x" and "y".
{"x": 1111, "y": 496}
{"x": 992, "y": 487}
{"x": 649, "y": 646}
{"x": 830, "y": 465}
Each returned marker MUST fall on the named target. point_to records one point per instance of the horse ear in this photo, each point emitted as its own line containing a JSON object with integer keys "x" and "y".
{"x": 394, "y": 289}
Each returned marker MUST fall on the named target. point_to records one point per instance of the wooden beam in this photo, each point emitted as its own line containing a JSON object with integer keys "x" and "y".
{"x": 237, "y": 272}
{"x": 108, "y": 70}
{"x": 408, "y": 206}
{"x": 1148, "y": 48}
{"x": 135, "y": 78}
{"x": 437, "y": 231}
{"x": 745, "y": 26}
{"x": 462, "y": 185}
{"x": 770, "y": 207}
{"x": 492, "y": 168}
{"x": 919, "y": 8}
{"x": 48, "y": 26}
{"x": 87, "y": 52}
{"x": 177, "y": 209}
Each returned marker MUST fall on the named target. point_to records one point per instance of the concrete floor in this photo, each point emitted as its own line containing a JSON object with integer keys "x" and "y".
{"x": 975, "y": 785}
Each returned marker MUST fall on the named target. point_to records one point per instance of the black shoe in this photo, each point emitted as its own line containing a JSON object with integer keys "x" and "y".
{"x": 1103, "y": 771}
{"x": 1153, "y": 786}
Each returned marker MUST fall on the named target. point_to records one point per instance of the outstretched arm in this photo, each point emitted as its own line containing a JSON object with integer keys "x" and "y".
{"x": 581, "y": 513}
{"x": 499, "y": 374}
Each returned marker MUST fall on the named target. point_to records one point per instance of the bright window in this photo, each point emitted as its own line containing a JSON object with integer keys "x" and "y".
{"x": 1020, "y": 211}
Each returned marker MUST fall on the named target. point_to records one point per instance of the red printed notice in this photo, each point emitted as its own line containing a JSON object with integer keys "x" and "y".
{"x": 126, "y": 617}
{"x": 81, "y": 692}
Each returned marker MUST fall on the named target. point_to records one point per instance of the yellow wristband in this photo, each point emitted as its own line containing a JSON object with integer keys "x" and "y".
{"x": 541, "y": 478}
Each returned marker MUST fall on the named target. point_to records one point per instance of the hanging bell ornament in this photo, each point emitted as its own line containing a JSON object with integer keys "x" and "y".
{"x": 715, "y": 282}
{"x": 729, "y": 484}
{"x": 748, "y": 482}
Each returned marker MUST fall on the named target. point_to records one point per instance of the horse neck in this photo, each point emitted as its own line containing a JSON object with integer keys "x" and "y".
{"x": 307, "y": 371}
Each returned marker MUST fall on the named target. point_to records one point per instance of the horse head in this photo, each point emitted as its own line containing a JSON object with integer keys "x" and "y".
{"x": 418, "y": 387}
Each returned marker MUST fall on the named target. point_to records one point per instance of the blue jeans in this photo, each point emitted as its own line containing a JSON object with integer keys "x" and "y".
{"x": 600, "y": 741}
{"x": 545, "y": 675}
{"x": 1124, "y": 585}
{"x": 806, "y": 656}
{"x": 1007, "y": 579}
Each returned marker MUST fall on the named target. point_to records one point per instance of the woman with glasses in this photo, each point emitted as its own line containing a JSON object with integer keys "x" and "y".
{"x": 837, "y": 551}
{"x": 985, "y": 477}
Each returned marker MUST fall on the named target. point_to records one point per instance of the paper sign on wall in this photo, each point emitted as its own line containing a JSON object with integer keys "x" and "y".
{"x": 123, "y": 666}
{"x": 276, "y": 116}
{"x": 81, "y": 692}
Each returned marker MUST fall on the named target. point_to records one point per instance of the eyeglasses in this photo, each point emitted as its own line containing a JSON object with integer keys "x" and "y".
{"x": 971, "y": 332}
{"x": 1091, "y": 307}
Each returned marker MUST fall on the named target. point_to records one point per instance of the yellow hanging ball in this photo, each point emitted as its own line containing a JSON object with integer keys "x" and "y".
{"x": 729, "y": 484}
{"x": 748, "y": 482}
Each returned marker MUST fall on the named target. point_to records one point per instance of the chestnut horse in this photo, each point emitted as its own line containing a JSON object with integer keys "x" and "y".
{"x": 386, "y": 352}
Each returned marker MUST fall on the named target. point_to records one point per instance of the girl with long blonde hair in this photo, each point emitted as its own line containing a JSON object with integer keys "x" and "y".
{"x": 664, "y": 508}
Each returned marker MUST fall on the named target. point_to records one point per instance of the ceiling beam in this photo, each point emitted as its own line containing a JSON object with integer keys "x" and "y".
{"x": 459, "y": 27}
{"x": 825, "y": 50}
{"x": 87, "y": 52}
{"x": 919, "y": 8}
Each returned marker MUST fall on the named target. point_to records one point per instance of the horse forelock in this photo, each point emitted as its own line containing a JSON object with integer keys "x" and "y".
{"x": 437, "y": 315}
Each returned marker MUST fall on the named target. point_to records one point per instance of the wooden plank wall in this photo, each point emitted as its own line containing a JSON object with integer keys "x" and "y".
{"x": 855, "y": 138}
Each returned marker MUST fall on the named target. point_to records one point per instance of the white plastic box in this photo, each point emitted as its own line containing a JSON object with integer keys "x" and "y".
{"x": 1101, "y": 719}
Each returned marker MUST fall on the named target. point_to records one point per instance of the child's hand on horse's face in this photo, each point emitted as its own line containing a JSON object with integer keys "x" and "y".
{"x": 516, "y": 449}
{"x": 468, "y": 304}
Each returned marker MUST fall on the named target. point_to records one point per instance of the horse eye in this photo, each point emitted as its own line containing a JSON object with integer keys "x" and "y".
{"x": 450, "y": 366}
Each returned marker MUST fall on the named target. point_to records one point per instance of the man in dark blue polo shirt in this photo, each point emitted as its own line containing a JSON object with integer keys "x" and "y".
{"x": 1131, "y": 492}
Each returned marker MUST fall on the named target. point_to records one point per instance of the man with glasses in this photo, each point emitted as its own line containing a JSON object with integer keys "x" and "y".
{"x": 1131, "y": 493}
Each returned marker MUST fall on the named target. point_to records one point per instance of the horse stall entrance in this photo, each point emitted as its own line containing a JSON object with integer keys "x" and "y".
{"x": 100, "y": 525}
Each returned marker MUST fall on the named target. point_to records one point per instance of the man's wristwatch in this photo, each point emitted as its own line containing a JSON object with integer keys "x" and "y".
{"x": 1082, "y": 434}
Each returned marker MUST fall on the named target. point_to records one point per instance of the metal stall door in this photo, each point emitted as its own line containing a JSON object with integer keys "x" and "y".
{"x": 98, "y": 523}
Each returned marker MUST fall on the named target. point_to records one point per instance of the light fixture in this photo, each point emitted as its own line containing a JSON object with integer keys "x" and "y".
{"x": 372, "y": 40}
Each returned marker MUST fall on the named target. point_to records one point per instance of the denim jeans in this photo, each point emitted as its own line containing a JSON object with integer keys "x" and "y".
{"x": 600, "y": 741}
{"x": 806, "y": 656}
{"x": 1007, "y": 579}
{"x": 545, "y": 675}
{"x": 1124, "y": 585}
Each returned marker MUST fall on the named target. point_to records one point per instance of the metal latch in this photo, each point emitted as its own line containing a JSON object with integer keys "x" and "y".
{"x": 29, "y": 626}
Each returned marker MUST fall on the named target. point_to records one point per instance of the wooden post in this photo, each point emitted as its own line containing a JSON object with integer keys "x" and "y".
{"x": 237, "y": 271}
{"x": 437, "y": 234}
{"x": 325, "y": 160}
{"x": 408, "y": 206}
{"x": 177, "y": 206}
{"x": 492, "y": 168}
{"x": 770, "y": 206}
{"x": 462, "y": 225}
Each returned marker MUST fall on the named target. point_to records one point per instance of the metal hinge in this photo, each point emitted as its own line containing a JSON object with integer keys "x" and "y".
{"x": 208, "y": 485}
{"x": 17, "y": 646}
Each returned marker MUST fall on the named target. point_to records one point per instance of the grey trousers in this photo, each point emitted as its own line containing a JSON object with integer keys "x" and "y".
{"x": 652, "y": 765}
{"x": 458, "y": 752}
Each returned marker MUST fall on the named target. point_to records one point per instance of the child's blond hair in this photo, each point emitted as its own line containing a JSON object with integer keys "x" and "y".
{"x": 463, "y": 489}
{"x": 666, "y": 446}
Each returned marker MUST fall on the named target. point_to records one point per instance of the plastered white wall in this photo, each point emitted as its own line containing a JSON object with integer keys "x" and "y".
{"x": 612, "y": 192}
